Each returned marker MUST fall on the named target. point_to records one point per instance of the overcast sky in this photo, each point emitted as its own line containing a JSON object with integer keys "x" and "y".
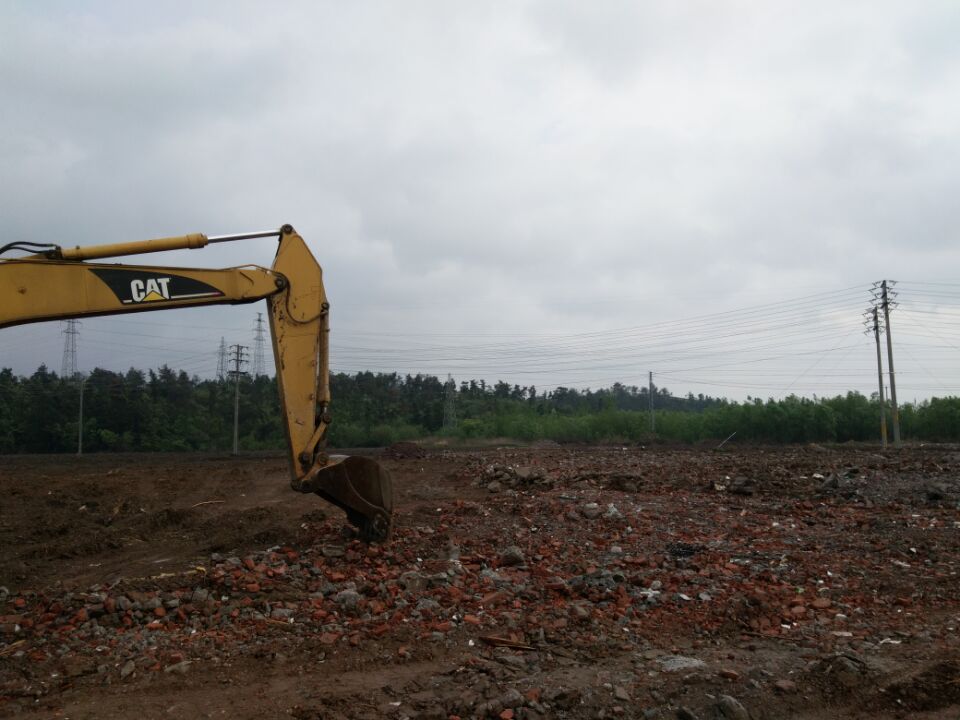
{"x": 558, "y": 193}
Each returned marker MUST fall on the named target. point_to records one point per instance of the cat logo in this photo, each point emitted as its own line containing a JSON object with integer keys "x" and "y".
{"x": 150, "y": 290}
{"x": 135, "y": 287}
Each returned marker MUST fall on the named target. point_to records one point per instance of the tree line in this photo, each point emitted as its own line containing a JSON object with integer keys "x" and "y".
{"x": 166, "y": 410}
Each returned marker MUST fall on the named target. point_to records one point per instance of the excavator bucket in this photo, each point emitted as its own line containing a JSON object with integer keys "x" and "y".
{"x": 360, "y": 486}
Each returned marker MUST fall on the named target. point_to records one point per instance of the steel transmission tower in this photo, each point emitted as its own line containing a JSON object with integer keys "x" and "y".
{"x": 238, "y": 359}
{"x": 68, "y": 367}
{"x": 450, "y": 405}
{"x": 222, "y": 360}
{"x": 258, "y": 342}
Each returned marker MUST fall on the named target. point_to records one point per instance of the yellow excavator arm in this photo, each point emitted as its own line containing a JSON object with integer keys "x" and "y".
{"x": 57, "y": 283}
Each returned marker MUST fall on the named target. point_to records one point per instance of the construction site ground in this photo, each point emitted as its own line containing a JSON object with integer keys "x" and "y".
{"x": 547, "y": 582}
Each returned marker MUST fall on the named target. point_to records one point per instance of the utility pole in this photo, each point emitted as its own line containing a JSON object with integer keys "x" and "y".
{"x": 83, "y": 382}
{"x": 238, "y": 359}
{"x": 258, "y": 341}
{"x": 68, "y": 368}
{"x": 222, "y": 360}
{"x": 450, "y": 404}
{"x": 883, "y": 408}
{"x": 653, "y": 418}
{"x": 895, "y": 413}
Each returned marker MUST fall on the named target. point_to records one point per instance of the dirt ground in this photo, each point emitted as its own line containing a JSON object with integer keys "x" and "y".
{"x": 803, "y": 582}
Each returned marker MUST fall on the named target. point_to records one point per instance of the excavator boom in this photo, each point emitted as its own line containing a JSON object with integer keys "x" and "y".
{"x": 57, "y": 283}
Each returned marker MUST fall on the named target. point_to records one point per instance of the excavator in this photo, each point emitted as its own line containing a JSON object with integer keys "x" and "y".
{"x": 55, "y": 283}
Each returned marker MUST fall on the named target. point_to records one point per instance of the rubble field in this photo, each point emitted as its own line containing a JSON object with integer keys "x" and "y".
{"x": 549, "y": 582}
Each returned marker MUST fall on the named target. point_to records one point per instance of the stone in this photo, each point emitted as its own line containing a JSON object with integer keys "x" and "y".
{"x": 685, "y": 713}
{"x": 332, "y": 551}
{"x": 179, "y": 668}
{"x": 579, "y": 612}
{"x": 127, "y": 669}
{"x": 612, "y": 513}
{"x": 525, "y": 472}
{"x": 729, "y": 708}
{"x": 347, "y": 599}
{"x": 741, "y": 486}
{"x": 413, "y": 581}
{"x": 512, "y": 556}
{"x": 591, "y": 511}
{"x": 511, "y": 698}
{"x": 440, "y": 579}
{"x": 677, "y": 663}
{"x": 785, "y": 686}
{"x": 491, "y": 575}
{"x": 428, "y": 604}
{"x": 847, "y": 672}
{"x": 831, "y": 482}
{"x": 620, "y": 693}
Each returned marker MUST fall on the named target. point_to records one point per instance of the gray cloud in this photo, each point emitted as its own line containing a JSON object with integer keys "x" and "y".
{"x": 525, "y": 168}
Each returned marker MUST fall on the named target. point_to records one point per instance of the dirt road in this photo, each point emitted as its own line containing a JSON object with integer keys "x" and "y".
{"x": 521, "y": 583}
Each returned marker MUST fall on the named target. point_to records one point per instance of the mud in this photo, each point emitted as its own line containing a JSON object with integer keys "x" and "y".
{"x": 813, "y": 582}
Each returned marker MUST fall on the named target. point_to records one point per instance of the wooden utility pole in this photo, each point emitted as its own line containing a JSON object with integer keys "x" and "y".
{"x": 653, "y": 418}
{"x": 883, "y": 409}
{"x": 238, "y": 359}
{"x": 895, "y": 413}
